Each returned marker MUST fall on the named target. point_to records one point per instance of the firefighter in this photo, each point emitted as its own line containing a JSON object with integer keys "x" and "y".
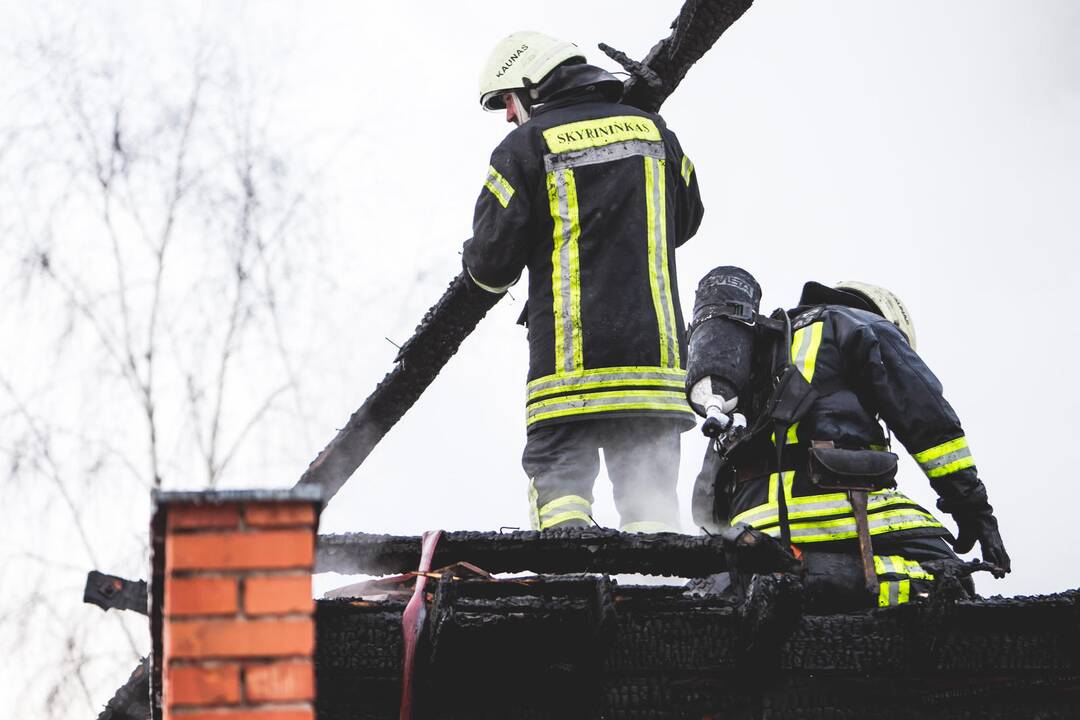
{"x": 852, "y": 353}
{"x": 592, "y": 197}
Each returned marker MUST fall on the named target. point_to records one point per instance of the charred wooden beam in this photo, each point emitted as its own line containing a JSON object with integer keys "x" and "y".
{"x": 699, "y": 25}
{"x": 436, "y": 339}
{"x": 553, "y": 551}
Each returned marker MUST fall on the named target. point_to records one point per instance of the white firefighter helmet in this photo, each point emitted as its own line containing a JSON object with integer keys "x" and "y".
{"x": 888, "y": 304}
{"x": 519, "y": 57}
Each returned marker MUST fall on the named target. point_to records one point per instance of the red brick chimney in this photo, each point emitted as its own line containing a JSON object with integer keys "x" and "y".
{"x": 231, "y": 605}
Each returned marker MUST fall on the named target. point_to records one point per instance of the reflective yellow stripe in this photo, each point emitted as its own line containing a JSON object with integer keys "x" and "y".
{"x": 951, "y": 467}
{"x": 687, "y": 169}
{"x": 647, "y": 526}
{"x": 659, "y": 277}
{"x": 894, "y": 592}
{"x": 498, "y": 186}
{"x": 792, "y": 435}
{"x": 610, "y": 373}
{"x": 812, "y": 506}
{"x": 804, "y": 348}
{"x": 605, "y": 378}
{"x": 946, "y": 458}
{"x": 565, "y": 270}
{"x": 610, "y": 401}
{"x": 564, "y": 517}
{"x": 884, "y": 589}
{"x": 916, "y": 572}
{"x": 565, "y": 500}
{"x": 943, "y": 449}
{"x": 599, "y": 132}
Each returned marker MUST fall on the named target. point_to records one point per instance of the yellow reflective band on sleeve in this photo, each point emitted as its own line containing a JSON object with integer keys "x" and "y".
{"x": 946, "y": 458}
{"x": 563, "y": 501}
{"x": 564, "y": 517}
{"x": 804, "y": 348}
{"x": 602, "y": 131}
{"x": 498, "y": 186}
{"x": 565, "y": 270}
{"x": 659, "y": 277}
{"x": 646, "y": 526}
{"x": 687, "y": 169}
{"x": 952, "y": 467}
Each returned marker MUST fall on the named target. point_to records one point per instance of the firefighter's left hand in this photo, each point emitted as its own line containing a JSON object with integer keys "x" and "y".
{"x": 984, "y": 528}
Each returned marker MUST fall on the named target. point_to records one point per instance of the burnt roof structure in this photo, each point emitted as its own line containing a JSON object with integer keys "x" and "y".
{"x": 582, "y": 645}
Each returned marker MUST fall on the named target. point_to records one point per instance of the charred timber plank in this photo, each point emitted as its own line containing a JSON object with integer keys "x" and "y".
{"x": 699, "y": 25}
{"x": 436, "y": 339}
{"x": 558, "y": 551}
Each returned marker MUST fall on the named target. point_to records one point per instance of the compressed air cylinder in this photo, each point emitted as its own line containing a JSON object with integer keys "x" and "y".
{"x": 721, "y": 338}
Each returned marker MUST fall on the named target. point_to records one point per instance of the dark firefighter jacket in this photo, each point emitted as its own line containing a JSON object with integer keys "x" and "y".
{"x": 863, "y": 369}
{"x": 593, "y": 197}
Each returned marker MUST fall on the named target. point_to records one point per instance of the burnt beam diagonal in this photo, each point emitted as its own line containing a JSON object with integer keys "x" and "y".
{"x": 553, "y": 551}
{"x": 418, "y": 362}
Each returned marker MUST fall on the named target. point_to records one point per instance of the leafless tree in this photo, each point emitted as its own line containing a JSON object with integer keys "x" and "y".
{"x": 153, "y": 237}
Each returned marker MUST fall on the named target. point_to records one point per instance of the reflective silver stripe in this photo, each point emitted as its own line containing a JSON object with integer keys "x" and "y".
{"x": 804, "y": 347}
{"x": 675, "y": 401}
{"x": 893, "y": 597}
{"x": 964, "y": 452}
{"x": 843, "y": 528}
{"x": 825, "y": 507}
{"x": 604, "y": 153}
{"x": 569, "y": 382}
{"x": 566, "y": 315}
{"x": 659, "y": 268}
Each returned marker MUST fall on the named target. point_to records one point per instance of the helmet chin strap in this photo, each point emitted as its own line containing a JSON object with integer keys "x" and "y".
{"x": 521, "y": 113}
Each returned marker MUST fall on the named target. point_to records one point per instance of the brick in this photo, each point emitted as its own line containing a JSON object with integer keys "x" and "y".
{"x": 191, "y": 517}
{"x": 279, "y": 682}
{"x": 238, "y": 638}
{"x": 279, "y": 514}
{"x": 278, "y": 594}
{"x": 270, "y": 549}
{"x": 200, "y": 685}
{"x": 238, "y": 714}
{"x": 201, "y": 596}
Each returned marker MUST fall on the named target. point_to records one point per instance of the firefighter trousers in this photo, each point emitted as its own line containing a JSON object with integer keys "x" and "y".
{"x": 642, "y": 458}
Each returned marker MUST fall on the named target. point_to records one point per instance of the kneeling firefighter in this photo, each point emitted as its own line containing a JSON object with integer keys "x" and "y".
{"x": 812, "y": 466}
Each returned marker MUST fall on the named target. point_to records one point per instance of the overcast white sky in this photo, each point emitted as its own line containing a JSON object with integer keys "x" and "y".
{"x": 928, "y": 147}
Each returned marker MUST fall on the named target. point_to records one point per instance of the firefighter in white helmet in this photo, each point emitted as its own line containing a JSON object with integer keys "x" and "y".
{"x": 852, "y": 349}
{"x": 593, "y": 197}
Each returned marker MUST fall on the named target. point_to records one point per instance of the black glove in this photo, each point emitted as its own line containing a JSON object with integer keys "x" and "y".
{"x": 982, "y": 526}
